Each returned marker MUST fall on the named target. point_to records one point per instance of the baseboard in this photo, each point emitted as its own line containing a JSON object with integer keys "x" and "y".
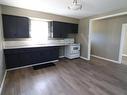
{"x": 84, "y": 58}
{"x": 3, "y": 81}
{"x": 106, "y": 59}
{"x": 31, "y": 65}
{"x": 124, "y": 55}
{"x": 61, "y": 56}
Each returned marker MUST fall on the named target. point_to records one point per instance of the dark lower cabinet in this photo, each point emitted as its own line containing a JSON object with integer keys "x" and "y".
{"x": 29, "y": 56}
{"x": 12, "y": 60}
{"x": 25, "y": 59}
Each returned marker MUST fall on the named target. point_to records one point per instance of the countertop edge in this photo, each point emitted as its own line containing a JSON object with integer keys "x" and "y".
{"x": 34, "y": 46}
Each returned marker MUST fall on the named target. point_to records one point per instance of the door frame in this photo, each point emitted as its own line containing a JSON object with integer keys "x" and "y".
{"x": 90, "y": 35}
{"x": 122, "y": 42}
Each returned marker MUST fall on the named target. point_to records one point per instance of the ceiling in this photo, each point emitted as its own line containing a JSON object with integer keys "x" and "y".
{"x": 59, "y": 7}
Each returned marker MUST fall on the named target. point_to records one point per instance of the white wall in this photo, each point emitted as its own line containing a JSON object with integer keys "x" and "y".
{"x": 37, "y": 14}
{"x": 83, "y": 36}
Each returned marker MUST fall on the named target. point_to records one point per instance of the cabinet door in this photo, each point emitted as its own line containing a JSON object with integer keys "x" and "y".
{"x": 64, "y": 30}
{"x": 74, "y": 28}
{"x": 36, "y": 57}
{"x": 24, "y": 59}
{"x": 55, "y": 53}
{"x": 12, "y": 61}
{"x": 57, "y": 28}
{"x": 39, "y": 55}
{"x": 9, "y": 26}
{"x": 60, "y": 29}
{"x": 15, "y": 26}
{"x": 51, "y": 53}
{"x": 22, "y": 27}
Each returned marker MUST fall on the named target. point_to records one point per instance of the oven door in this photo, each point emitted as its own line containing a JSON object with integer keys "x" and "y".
{"x": 75, "y": 49}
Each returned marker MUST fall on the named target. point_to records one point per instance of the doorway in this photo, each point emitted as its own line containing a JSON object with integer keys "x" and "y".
{"x": 120, "y": 56}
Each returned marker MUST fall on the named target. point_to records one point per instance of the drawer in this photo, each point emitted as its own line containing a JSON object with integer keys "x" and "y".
{"x": 72, "y": 56}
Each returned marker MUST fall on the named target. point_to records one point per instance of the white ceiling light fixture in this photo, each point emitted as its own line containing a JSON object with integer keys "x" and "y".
{"x": 76, "y": 5}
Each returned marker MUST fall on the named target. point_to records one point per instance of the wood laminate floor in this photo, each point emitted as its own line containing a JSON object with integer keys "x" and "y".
{"x": 69, "y": 77}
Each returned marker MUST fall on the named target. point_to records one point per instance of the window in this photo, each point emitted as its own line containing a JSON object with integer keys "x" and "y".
{"x": 39, "y": 30}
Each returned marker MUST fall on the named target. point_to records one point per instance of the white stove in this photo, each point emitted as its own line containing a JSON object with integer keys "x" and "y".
{"x": 72, "y": 51}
